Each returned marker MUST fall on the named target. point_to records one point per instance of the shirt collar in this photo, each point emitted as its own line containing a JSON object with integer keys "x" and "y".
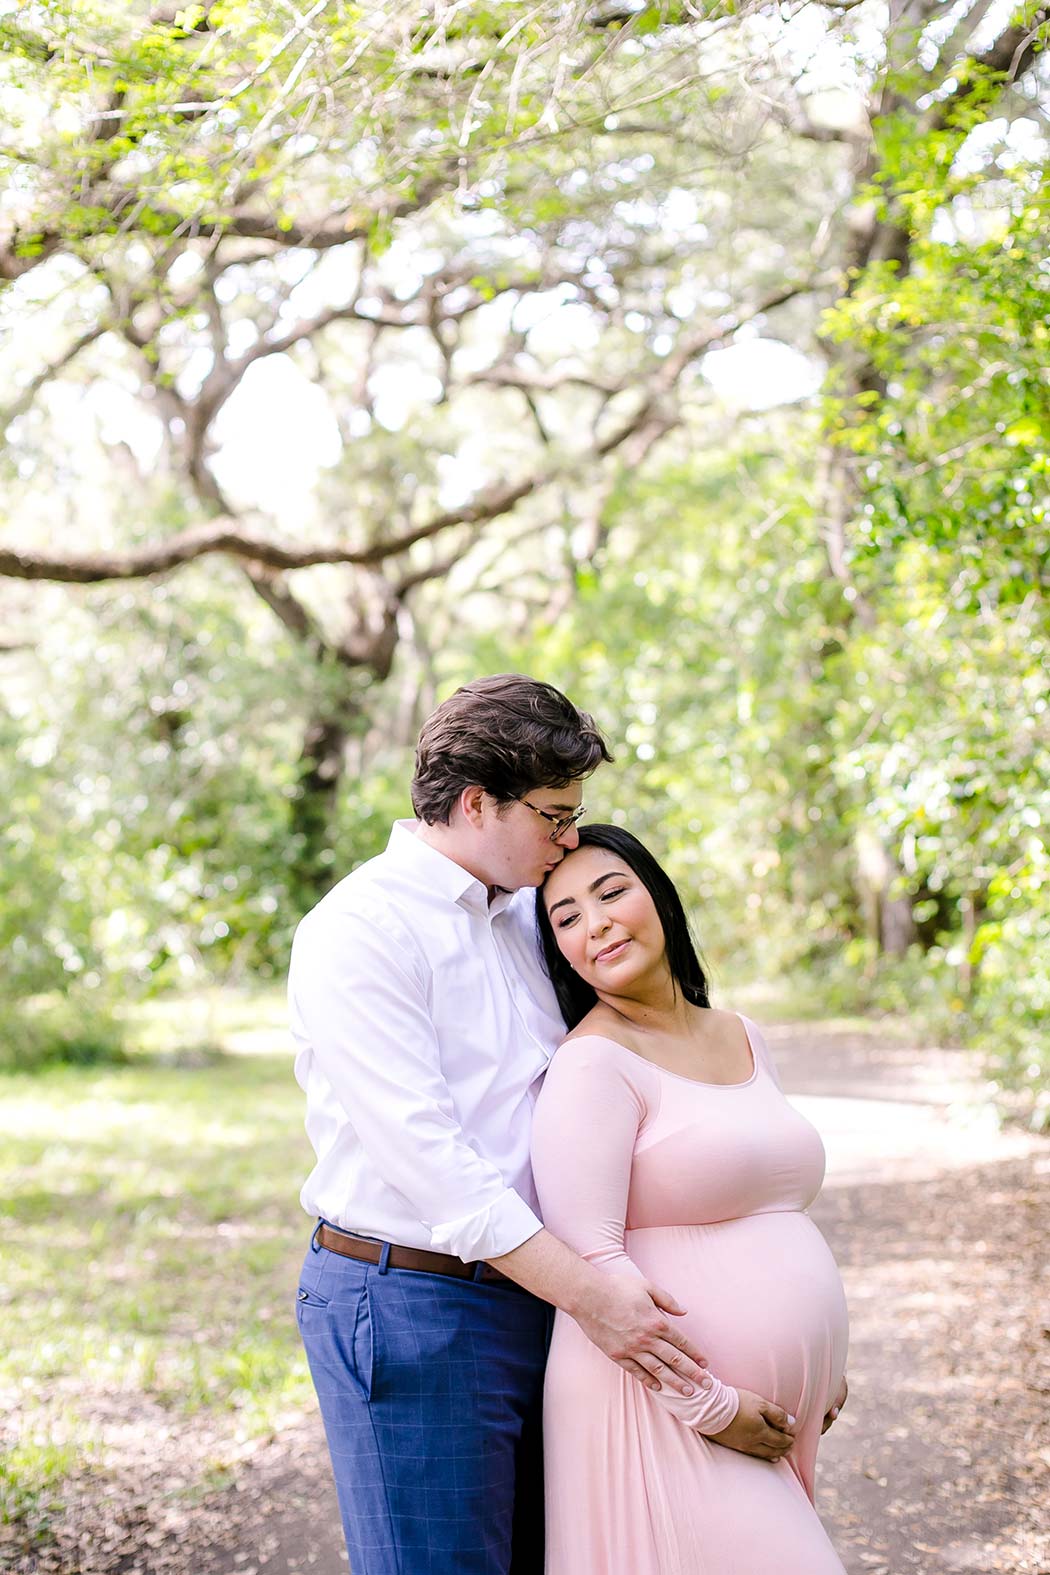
{"x": 440, "y": 873}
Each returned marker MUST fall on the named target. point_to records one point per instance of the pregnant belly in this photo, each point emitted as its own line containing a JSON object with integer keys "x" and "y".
{"x": 765, "y": 1302}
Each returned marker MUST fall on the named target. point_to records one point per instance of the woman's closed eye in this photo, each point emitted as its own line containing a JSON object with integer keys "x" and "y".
{"x": 607, "y": 895}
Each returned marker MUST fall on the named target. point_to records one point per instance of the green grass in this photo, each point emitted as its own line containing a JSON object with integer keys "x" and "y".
{"x": 151, "y": 1233}
{"x": 30, "y": 1475}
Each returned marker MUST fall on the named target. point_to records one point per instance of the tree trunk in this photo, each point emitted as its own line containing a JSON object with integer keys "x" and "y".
{"x": 888, "y": 920}
{"x": 322, "y": 762}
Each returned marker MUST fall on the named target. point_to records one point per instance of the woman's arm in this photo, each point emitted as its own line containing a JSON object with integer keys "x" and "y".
{"x": 583, "y": 1139}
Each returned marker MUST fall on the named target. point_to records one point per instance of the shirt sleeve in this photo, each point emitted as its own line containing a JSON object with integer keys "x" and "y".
{"x": 583, "y": 1138}
{"x": 358, "y": 999}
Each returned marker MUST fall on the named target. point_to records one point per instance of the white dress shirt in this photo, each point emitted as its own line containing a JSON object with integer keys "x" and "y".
{"x": 423, "y": 1021}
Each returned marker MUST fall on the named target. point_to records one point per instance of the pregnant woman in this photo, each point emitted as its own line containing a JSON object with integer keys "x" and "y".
{"x": 663, "y": 1146}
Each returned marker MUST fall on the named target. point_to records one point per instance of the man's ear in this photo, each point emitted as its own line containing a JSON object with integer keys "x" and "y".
{"x": 472, "y": 806}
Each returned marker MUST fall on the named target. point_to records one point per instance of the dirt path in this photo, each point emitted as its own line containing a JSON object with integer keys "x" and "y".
{"x": 940, "y": 1224}
{"x": 941, "y": 1461}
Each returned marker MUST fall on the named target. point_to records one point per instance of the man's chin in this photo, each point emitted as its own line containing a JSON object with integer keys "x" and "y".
{"x": 531, "y": 882}
{"x": 534, "y": 882}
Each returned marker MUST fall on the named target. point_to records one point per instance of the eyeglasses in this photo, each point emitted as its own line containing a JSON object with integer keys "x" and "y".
{"x": 561, "y": 823}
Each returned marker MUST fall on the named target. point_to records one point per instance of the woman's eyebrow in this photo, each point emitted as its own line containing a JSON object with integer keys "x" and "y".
{"x": 609, "y": 875}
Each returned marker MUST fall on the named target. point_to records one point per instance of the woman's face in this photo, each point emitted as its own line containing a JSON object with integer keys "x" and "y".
{"x": 604, "y": 920}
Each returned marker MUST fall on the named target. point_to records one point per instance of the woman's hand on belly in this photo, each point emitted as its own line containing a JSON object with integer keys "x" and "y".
{"x": 759, "y": 1428}
{"x": 836, "y": 1405}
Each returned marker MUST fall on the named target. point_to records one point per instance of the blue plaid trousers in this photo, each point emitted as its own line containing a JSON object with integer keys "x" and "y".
{"x": 431, "y": 1393}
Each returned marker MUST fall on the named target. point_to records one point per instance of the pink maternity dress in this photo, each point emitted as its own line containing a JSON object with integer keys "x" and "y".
{"x": 702, "y": 1188}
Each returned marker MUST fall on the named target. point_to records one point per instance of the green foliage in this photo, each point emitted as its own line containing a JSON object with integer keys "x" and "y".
{"x": 349, "y": 112}
{"x": 150, "y": 791}
{"x": 950, "y": 445}
{"x": 961, "y": 346}
{"x": 1010, "y": 1007}
{"x": 709, "y": 620}
{"x": 762, "y": 737}
{"x": 74, "y": 1032}
{"x": 150, "y": 786}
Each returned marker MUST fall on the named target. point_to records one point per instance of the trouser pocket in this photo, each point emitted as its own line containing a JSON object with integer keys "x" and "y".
{"x": 332, "y": 1311}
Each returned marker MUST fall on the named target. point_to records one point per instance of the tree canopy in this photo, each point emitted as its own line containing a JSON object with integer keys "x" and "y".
{"x": 352, "y": 349}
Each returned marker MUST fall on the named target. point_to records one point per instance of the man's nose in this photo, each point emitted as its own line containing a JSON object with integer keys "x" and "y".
{"x": 569, "y": 838}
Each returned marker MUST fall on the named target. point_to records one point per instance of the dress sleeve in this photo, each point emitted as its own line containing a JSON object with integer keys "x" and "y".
{"x": 761, "y": 1049}
{"x": 583, "y": 1136}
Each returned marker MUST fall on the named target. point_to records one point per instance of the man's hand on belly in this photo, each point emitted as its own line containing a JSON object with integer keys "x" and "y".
{"x": 626, "y": 1318}
{"x": 624, "y": 1315}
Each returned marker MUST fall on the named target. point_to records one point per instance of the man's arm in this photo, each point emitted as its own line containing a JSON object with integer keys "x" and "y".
{"x": 622, "y": 1314}
{"x": 359, "y": 1000}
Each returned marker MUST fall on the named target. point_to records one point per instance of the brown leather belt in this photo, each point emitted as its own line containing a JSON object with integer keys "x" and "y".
{"x": 406, "y": 1257}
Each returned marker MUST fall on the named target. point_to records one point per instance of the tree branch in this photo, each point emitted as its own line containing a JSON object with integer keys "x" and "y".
{"x": 274, "y": 591}
{"x": 435, "y": 570}
{"x": 691, "y": 347}
{"x": 417, "y": 311}
{"x": 1012, "y": 54}
{"x": 25, "y": 398}
{"x": 795, "y": 118}
{"x": 503, "y": 375}
{"x": 227, "y": 534}
{"x": 123, "y": 205}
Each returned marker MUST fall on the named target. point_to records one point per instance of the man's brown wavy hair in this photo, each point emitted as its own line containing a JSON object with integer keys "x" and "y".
{"x": 508, "y": 735}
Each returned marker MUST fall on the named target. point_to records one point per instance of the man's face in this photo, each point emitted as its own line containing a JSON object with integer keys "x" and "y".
{"x": 522, "y": 840}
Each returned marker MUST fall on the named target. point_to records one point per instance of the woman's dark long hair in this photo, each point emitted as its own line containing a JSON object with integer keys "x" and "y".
{"x": 575, "y": 997}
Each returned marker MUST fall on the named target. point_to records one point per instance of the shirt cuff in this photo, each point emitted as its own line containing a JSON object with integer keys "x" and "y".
{"x": 498, "y": 1228}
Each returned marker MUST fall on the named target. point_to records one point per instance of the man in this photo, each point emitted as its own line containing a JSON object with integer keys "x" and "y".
{"x": 424, "y": 1022}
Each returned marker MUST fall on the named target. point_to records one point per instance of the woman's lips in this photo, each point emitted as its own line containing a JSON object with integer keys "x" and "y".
{"x": 612, "y": 952}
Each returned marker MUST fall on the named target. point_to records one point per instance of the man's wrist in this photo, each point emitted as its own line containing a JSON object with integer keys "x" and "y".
{"x": 583, "y": 1292}
{"x": 551, "y": 1270}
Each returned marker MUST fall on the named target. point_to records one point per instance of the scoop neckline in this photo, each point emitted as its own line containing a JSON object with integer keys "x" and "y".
{"x": 679, "y": 1077}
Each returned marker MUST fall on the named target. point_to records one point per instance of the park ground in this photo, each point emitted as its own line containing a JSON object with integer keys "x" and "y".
{"x": 156, "y": 1414}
